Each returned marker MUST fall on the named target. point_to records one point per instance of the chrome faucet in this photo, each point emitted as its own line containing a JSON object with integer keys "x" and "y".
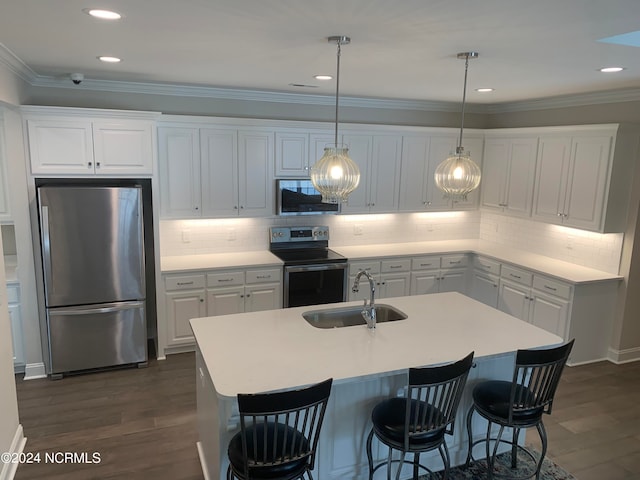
{"x": 369, "y": 310}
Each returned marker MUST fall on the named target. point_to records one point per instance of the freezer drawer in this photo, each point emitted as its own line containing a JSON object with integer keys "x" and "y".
{"x": 96, "y": 336}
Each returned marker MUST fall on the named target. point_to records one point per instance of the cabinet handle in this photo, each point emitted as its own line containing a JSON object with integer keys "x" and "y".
{"x": 426, "y": 264}
{"x": 241, "y": 296}
{"x": 550, "y": 288}
{"x": 451, "y": 262}
{"x": 180, "y": 284}
{"x": 395, "y": 266}
{"x": 241, "y": 206}
{"x": 202, "y": 300}
{"x": 515, "y": 276}
{"x": 196, "y": 208}
{"x": 526, "y": 297}
{"x": 495, "y": 285}
{"x": 235, "y": 207}
{"x": 225, "y": 280}
{"x": 248, "y": 295}
{"x": 263, "y": 276}
{"x": 559, "y": 214}
{"x": 97, "y": 164}
{"x": 89, "y": 164}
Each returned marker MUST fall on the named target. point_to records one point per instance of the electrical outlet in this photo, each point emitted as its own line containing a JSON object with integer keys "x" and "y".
{"x": 186, "y": 236}
{"x": 357, "y": 229}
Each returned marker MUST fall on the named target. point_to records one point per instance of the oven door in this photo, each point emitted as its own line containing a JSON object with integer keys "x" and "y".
{"x": 314, "y": 284}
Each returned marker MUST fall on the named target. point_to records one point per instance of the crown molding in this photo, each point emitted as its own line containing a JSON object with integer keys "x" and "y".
{"x": 10, "y": 60}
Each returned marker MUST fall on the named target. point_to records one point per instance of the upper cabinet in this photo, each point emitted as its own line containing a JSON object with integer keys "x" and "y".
{"x": 89, "y": 143}
{"x": 378, "y": 157}
{"x": 421, "y": 155}
{"x": 583, "y": 177}
{"x": 508, "y": 174}
{"x": 215, "y": 172}
{"x": 298, "y": 150}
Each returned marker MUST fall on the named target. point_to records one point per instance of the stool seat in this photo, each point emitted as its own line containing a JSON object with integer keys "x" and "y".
{"x": 493, "y": 399}
{"x": 389, "y": 416}
{"x": 273, "y": 466}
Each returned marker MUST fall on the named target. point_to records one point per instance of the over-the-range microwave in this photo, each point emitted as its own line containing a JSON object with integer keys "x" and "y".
{"x": 297, "y": 196}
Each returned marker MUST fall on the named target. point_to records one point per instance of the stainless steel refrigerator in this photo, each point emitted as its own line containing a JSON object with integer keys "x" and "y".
{"x": 92, "y": 240}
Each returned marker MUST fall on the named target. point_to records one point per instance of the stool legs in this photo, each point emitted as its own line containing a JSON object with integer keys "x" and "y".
{"x": 370, "y": 454}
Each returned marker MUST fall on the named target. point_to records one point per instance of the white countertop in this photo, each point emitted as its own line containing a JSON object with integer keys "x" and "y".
{"x": 278, "y": 349}
{"x": 538, "y": 263}
{"x": 180, "y": 263}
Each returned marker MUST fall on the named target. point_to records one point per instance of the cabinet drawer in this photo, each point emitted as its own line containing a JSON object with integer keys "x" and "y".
{"x": 517, "y": 275}
{"x": 371, "y": 267}
{"x": 224, "y": 279}
{"x": 486, "y": 265}
{"x": 184, "y": 282}
{"x": 13, "y": 294}
{"x": 263, "y": 276}
{"x": 454, "y": 261}
{"x": 552, "y": 287}
{"x": 399, "y": 265}
{"x": 425, "y": 263}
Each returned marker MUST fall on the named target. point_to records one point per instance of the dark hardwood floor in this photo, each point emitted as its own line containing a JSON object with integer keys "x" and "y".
{"x": 143, "y": 422}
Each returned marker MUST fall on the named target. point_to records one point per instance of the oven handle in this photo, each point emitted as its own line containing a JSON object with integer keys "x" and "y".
{"x": 315, "y": 268}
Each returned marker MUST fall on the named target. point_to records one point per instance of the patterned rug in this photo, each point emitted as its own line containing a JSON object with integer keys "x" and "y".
{"x": 478, "y": 470}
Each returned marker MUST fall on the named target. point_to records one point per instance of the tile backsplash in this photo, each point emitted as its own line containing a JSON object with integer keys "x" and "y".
{"x": 602, "y": 252}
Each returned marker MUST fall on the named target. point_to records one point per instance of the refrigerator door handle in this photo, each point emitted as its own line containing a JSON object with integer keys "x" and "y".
{"x": 46, "y": 248}
{"x": 110, "y": 308}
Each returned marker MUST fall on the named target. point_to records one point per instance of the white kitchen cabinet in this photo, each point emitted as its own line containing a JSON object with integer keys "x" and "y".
{"x": 215, "y": 172}
{"x": 439, "y": 273}
{"x": 508, "y": 175}
{"x": 225, "y": 301}
{"x": 379, "y": 158}
{"x": 582, "y": 177}
{"x": 485, "y": 280}
{"x": 185, "y": 298}
{"x": 392, "y": 278}
{"x": 179, "y": 165}
{"x": 292, "y": 153}
{"x": 89, "y": 146}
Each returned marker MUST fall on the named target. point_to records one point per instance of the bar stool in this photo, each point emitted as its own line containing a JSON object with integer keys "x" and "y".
{"x": 519, "y": 404}
{"x": 418, "y": 423}
{"x": 278, "y": 433}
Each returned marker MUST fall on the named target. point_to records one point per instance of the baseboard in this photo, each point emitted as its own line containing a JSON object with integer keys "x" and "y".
{"x": 587, "y": 362}
{"x": 203, "y": 465}
{"x": 33, "y": 371}
{"x": 624, "y": 356}
{"x": 8, "y": 471}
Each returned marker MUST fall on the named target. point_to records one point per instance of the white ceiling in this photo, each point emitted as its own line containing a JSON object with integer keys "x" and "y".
{"x": 401, "y": 49}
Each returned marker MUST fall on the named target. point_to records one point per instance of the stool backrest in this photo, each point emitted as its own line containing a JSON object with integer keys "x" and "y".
{"x": 441, "y": 388}
{"x": 536, "y": 377}
{"x": 285, "y": 426}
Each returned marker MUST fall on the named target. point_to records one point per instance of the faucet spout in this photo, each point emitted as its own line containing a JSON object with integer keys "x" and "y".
{"x": 369, "y": 310}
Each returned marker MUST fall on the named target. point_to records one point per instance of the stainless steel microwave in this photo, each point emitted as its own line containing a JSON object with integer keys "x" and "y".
{"x": 297, "y": 196}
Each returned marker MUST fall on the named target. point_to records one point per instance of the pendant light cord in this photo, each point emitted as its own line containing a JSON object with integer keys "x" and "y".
{"x": 337, "y": 91}
{"x": 464, "y": 98}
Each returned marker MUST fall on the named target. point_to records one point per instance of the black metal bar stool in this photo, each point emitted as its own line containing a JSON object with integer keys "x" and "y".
{"x": 418, "y": 423}
{"x": 519, "y": 404}
{"x": 278, "y": 433}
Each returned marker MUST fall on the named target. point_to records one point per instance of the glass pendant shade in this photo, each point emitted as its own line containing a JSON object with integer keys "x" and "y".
{"x": 335, "y": 175}
{"x": 458, "y": 175}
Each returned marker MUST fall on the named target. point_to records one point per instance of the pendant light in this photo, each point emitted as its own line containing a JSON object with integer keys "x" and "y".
{"x": 459, "y": 175}
{"x": 335, "y": 175}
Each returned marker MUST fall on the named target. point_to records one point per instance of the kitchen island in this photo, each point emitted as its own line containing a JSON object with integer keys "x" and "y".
{"x": 275, "y": 350}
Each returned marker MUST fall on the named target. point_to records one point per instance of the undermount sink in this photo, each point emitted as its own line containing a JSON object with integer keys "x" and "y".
{"x": 350, "y": 316}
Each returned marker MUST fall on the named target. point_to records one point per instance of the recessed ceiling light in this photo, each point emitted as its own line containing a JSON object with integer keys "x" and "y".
{"x": 108, "y": 59}
{"x": 323, "y": 77}
{"x": 484, "y": 90}
{"x": 611, "y": 69}
{"x": 102, "y": 14}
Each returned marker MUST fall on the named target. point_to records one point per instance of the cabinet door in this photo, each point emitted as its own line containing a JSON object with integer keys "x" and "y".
{"x": 182, "y": 307}
{"x": 360, "y": 151}
{"x": 549, "y": 313}
{"x": 179, "y": 163}
{"x": 396, "y": 285}
{"x": 439, "y": 150}
{"x": 424, "y": 282}
{"x": 484, "y": 288}
{"x": 60, "y": 146}
{"x": 475, "y": 147}
{"x": 225, "y": 301}
{"x": 292, "y": 154}
{"x": 16, "y": 335}
{"x": 551, "y": 178}
{"x": 495, "y": 169}
{"x": 521, "y": 176}
{"x": 219, "y": 172}
{"x": 588, "y": 177}
{"x": 256, "y": 186}
{"x": 453, "y": 281}
{"x": 385, "y": 173}
{"x": 514, "y": 300}
{"x": 413, "y": 174}
{"x": 123, "y": 147}
{"x": 263, "y": 297}
{"x": 317, "y": 143}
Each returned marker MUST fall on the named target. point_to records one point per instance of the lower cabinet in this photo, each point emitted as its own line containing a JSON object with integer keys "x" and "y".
{"x": 219, "y": 292}
{"x": 392, "y": 277}
{"x": 439, "y": 273}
